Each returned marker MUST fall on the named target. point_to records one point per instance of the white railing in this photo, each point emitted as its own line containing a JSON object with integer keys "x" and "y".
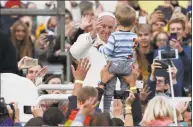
{"x": 57, "y": 97}
{"x": 55, "y": 87}
{"x": 53, "y": 96}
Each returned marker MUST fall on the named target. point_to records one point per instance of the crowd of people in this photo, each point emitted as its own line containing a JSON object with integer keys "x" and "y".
{"x": 111, "y": 51}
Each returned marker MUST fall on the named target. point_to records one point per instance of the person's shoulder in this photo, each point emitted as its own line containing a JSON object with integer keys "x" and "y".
{"x": 4, "y": 37}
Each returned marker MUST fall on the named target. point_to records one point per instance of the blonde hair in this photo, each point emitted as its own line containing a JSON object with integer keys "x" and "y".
{"x": 25, "y": 48}
{"x": 143, "y": 27}
{"x": 125, "y": 15}
{"x": 157, "y": 108}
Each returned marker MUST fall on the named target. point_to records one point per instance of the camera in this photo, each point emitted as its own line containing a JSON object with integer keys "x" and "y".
{"x": 168, "y": 54}
{"x": 118, "y": 94}
{"x": 3, "y": 108}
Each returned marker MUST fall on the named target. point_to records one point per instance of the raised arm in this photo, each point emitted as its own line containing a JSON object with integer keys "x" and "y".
{"x": 81, "y": 47}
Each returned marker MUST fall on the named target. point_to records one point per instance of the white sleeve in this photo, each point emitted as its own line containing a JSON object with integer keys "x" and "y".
{"x": 81, "y": 47}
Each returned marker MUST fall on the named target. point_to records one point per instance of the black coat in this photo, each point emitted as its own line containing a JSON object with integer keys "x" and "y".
{"x": 8, "y": 62}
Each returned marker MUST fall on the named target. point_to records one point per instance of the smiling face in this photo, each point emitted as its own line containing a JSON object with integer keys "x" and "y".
{"x": 20, "y": 33}
{"x": 108, "y": 26}
{"x": 160, "y": 84}
{"x": 31, "y": 74}
{"x": 177, "y": 28}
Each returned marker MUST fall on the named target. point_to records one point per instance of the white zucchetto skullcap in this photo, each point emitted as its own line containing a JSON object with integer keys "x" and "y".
{"x": 107, "y": 14}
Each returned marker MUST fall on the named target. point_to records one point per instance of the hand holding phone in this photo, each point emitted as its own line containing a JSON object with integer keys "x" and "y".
{"x": 173, "y": 36}
{"x": 161, "y": 71}
{"x": 118, "y": 94}
{"x": 24, "y": 62}
{"x": 31, "y": 63}
{"x": 27, "y": 109}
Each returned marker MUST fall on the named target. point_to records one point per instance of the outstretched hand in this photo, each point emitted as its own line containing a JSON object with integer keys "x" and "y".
{"x": 144, "y": 93}
{"x": 86, "y": 22}
{"x": 82, "y": 69}
{"x": 22, "y": 61}
{"x": 130, "y": 99}
{"x": 97, "y": 24}
{"x": 42, "y": 72}
{"x": 117, "y": 108}
{"x": 105, "y": 74}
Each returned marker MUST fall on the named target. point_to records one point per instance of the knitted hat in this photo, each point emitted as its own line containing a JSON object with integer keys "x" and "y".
{"x": 11, "y": 3}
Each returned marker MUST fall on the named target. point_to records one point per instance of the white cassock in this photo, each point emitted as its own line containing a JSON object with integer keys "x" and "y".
{"x": 82, "y": 48}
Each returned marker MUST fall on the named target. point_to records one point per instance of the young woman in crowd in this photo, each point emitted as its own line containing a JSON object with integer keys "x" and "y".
{"x": 21, "y": 40}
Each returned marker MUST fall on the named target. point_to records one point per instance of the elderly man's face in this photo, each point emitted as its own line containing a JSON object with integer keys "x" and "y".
{"x": 108, "y": 26}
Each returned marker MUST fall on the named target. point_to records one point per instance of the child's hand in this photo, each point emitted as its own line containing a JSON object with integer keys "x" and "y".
{"x": 98, "y": 46}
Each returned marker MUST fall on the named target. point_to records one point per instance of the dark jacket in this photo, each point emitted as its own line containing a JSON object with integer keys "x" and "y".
{"x": 183, "y": 64}
{"x": 8, "y": 62}
{"x": 6, "y": 21}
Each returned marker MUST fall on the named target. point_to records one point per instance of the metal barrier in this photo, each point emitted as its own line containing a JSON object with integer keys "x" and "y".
{"x": 51, "y": 97}
{"x": 55, "y": 87}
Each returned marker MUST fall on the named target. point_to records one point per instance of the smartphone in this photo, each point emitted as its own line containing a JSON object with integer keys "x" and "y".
{"x": 161, "y": 71}
{"x": 118, "y": 94}
{"x": 139, "y": 84}
{"x": 168, "y": 55}
{"x": 142, "y": 20}
{"x": 137, "y": 14}
{"x": 50, "y": 38}
{"x": 173, "y": 36}
{"x": 177, "y": 9}
{"x": 27, "y": 109}
{"x": 31, "y": 63}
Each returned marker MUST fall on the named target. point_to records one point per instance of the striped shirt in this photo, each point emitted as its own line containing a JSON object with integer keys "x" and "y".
{"x": 119, "y": 45}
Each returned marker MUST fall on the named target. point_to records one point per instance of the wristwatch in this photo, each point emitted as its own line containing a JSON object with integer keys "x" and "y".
{"x": 101, "y": 83}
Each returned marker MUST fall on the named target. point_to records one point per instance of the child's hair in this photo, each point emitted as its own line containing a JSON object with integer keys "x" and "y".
{"x": 143, "y": 27}
{"x": 87, "y": 92}
{"x": 125, "y": 15}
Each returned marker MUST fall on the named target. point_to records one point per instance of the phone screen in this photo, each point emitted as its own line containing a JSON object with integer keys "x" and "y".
{"x": 173, "y": 36}
{"x": 31, "y": 63}
{"x": 27, "y": 109}
{"x": 118, "y": 94}
{"x": 161, "y": 71}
